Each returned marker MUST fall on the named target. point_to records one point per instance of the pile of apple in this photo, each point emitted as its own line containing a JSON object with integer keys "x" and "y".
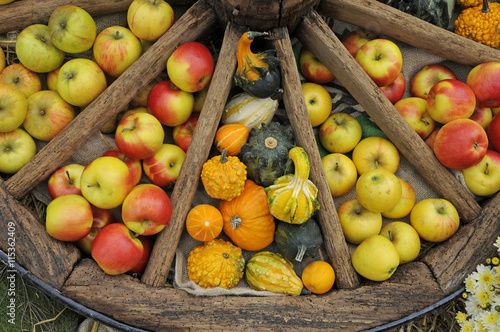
{"x": 107, "y": 208}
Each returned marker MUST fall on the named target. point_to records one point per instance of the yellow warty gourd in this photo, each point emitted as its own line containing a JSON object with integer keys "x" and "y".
{"x": 293, "y": 197}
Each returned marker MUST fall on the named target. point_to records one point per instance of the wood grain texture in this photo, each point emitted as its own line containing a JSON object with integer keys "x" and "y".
{"x": 454, "y": 259}
{"x": 410, "y": 289}
{"x": 315, "y": 34}
{"x": 24, "y": 239}
{"x": 197, "y": 154}
{"x": 194, "y": 23}
{"x": 383, "y": 19}
{"x": 21, "y": 13}
{"x": 295, "y": 106}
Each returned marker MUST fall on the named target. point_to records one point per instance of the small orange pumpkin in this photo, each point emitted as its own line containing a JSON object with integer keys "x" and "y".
{"x": 247, "y": 219}
{"x": 204, "y": 222}
{"x": 318, "y": 277}
{"x": 231, "y": 136}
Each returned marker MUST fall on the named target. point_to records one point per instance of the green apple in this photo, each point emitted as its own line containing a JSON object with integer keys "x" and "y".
{"x": 375, "y": 152}
{"x": 340, "y": 172}
{"x": 35, "y": 40}
{"x": 357, "y": 222}
{"x": 376, "y": 258}
{"x": 483, "y": 179}
{"x": 72, "y": 29}
{"x": 405, "y": 238}
{"x": 80, "y": 81}
{"x": 13, "y": 107}
{"x": 17, "y": 148}
{"x": 105, "y": 182}
{"x": 47, "y": 115}
{"x": 378, "y": 190}
{"x": 340, "y": 132}
{"x": 149, "y": 19}
{"x": 69, "y": 218}
{"x": 22, "y": 78}
{"x": 435, "y": 219}
{"x": 115, "y": 49}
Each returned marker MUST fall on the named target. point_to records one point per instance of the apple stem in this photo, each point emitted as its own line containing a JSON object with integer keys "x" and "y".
{"x": 486, "y": 169}
{"x": 69, "y": 178}
{"x": 390, "y": 235}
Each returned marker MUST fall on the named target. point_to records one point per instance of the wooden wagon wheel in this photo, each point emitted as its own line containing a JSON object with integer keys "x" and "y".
{"x": 146, "y": 303}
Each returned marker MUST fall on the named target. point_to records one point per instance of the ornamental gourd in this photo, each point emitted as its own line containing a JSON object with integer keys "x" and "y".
{"x": 298, "y": 241}
{"x": 269, "y": 271}
{"x": 223, "y": 176}
{"x": 293, "y": 197}
{"x": 480, "y": 23}
{"x": 231, "y": 136}
{"x": 266, "y": 153}
{"x": 217, "y": 263}
{"x": 249, "y": 110}
{"x": 257, "y": 73}
{"x": 247, "y": 220}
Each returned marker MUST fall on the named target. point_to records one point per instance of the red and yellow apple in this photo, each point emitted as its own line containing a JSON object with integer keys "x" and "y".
{"x": 313, "y": 69}
{"x": 116, "y": 249}
{"x": 340, "y": 172}
{"x": 191, "y": 66}
{"x": 22, "y": 78}
{"x": 100, "y": 218}
{"x": 69, "y": 217}
{"x": 483, "y": 116}
{"x": 139, "y": 135}
{"x": 147, "y": 209}
{"x": 435, "y": 219}
{"x": 395, "y": 90}
{"x": 450, "y": 99}
{"x": 169, "y": 104}
{"x": 164, "y": 167}
{"x": 134, "y": 165}
{"x": 422, "y": 82}
{"x": 357, "y": 222}
{"x": 353, "y": 40}
{"x": 460, "y": 144}
{"x": 183, "y": 133}
{"x": 483, "y": 179}
{"x": 484, "y": 81}
{"x": 65, "y": 180}
{"x": 340, "y": 133}
{"x": 147, "y": 243}
{"x": 493, "y": 132}
{"x": 414, "y": 111}
{"x": 375, "y": 152}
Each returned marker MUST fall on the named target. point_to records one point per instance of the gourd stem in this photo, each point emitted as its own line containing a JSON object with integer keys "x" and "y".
{"x": 235, "y": 221}
{"x": 485, "y": 8}
{"x": 300, "y": 253}
{"x": 223, "y": 157}
{"x": 270, "y": 142}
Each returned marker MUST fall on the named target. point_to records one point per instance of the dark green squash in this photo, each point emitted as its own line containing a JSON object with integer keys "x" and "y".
{"x": 296, "y": 241}
{"x": 266, "y": 153}
{"x": 437, "y": 12}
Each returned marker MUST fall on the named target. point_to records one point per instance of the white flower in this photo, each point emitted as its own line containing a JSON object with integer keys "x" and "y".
{"x": 485, "y": 276}
{"x": 470, "y": 284}
{"x": 472, "y": 306}
{"x": 489, "y": 319}
{"x": 484, "y": 296}
{"x": 467, "y": 326}
{"x": 497, "y": 243}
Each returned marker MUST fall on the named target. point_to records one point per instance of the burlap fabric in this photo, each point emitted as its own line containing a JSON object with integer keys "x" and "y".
{"x": 414, "y": 59}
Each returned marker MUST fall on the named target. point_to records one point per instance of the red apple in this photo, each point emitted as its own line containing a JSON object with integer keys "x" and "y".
{"x": 381, "y": 59}
{"x": 101, "y": 218}
{"x": 163, "y": 168}
{"x": 395, "y": 90}
{"x": 191, "y": 66}
{"x": 482, "y": 115}
{"x": 313, "y": 69}
{"x": 449, "y": 100}
{"x": 139, "y": 135}
{"x": 355, "y": 39}
{"x": 116, "y": 249}
{"x": 146, "y": 210}
{"x": 493, "y": 132}
{"x": 431, "y": 139}
{"x": 414, "y": 111}
{"x": 169, "y": 104}
{"x": 427, "y": 76}
{"x": 484, "y": 80}
{"x": 22, "y": 78}
{"x": 69, "y": 218}
{"x": 460, "y": 144}
{"x": 147, "y": 243}
{"x": 134, "y": 165}
{"x": 183, "y": 133}
{"x": 65, "y": 180}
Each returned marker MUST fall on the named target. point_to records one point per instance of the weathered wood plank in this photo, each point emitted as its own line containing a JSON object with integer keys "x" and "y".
{"x": 454, "y": 259}
{"x": 194, "y": 23}
{"x": 410, "y": 289}
{"x": 19, "y": 14}
{"x": 315, "y": 34}
{"x": 199, "y": 149}
{"x": 383, "y": 19}
{"x": 26, "y": 242}
{"x": 295, "y": 106}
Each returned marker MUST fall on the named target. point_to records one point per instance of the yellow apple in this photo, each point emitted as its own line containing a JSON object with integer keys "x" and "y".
{"x": 376, "y": 258}
{"x": 357, "y": 222}
{"x": 495, "y": 110}
{"x": 435, "y": 219}
{"x": 22, "y": 78}
{"x": 375, "y": 152}
{"x": 318, "y": 102}
{"x": 405, "y": 204}
{"x": 17, "y": 148}
{"x": 483, "y": 179}
{"x": 378, "y": 190}
{"x": 405, "y": 238}
{"x": 340, "y": 173}
{"x": 13, "y": 107}
{"x": 149, "y": 19}
{"x": 51, "y": 79}
{"x": 340, "y": 132}
{"x": 2, "y": 59}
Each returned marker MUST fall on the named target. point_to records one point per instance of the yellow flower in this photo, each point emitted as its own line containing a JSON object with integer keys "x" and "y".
{"x": 461, "y": 317}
